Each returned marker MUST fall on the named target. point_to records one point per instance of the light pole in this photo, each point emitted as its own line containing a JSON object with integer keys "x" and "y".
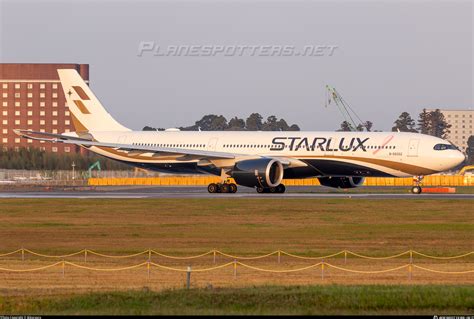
{"x": 73, "y": 176}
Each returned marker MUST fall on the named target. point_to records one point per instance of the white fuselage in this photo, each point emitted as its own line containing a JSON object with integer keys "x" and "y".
{"x": 308, "y": 153}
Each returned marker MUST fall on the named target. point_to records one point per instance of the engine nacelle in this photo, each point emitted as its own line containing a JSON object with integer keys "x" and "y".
{"x": 262, "y": 172}
{"x": 341, "y": 182}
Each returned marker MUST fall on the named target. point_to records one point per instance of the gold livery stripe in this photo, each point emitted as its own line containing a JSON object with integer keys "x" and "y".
{"x": 81, "y": 92}
{"x": 81, "y": 107}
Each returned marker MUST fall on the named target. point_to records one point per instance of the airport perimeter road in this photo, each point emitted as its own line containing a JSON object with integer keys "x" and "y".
{"x": 200, "y": 192}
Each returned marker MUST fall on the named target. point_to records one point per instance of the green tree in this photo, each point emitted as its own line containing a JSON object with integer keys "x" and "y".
{"x": 439, "y": 125}
{"x": 345, "y": 127}
{"x": 404, "y": 123}
{"x": 424, "y": 122}
{"x": 236, "y": 124}
{"x": 254, "y": 122}
{"x": 470, "y": 149}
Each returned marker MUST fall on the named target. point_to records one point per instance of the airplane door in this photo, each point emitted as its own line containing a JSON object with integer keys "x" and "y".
{"x": 413, "y": 147}
{"x": 211, "y": 144}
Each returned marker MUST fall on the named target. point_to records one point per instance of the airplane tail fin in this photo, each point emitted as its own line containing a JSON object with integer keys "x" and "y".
{"x": 87, "y": 112}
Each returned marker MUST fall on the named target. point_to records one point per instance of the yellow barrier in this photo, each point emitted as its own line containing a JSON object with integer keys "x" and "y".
{"x": 411, "y": 253}
{"x": 432, "y": 180}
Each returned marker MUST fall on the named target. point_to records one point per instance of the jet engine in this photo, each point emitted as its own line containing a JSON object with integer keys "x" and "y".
{"x": 341, "y": 182}
{"x": 262, "y": 172}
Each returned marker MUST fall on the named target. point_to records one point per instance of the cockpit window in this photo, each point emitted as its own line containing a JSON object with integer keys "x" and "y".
{"x": 442, "y": 147}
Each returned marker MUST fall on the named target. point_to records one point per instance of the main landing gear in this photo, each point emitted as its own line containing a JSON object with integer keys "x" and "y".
{"x": 416, "y": 189}
{"x": 222, "y": 188}
{"x": 278, "y": 189}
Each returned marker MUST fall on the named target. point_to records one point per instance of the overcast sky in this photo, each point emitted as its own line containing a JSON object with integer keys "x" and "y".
{"x": 390, "y": 56}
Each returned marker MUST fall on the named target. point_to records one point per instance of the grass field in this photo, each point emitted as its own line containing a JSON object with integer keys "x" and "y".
{"x": 181, "y": 227}
{"x": 307, "y": 300}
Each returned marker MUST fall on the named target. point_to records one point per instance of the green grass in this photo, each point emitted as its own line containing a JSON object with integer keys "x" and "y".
{"x": 302, "y": 300}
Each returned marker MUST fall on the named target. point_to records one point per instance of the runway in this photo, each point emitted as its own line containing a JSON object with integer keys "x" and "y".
{"x": 201, "y": 192}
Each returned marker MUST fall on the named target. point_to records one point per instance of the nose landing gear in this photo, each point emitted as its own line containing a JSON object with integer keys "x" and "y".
{"x": 416, "y": 189}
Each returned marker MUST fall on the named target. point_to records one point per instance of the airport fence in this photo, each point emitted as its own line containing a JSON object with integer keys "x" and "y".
{"x": 238, "y": 261}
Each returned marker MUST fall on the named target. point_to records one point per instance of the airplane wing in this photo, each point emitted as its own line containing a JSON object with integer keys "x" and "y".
{"x": 87, "y": 140}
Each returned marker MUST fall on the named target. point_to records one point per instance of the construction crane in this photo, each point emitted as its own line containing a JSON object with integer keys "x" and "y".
{"x": 347, "y": 112}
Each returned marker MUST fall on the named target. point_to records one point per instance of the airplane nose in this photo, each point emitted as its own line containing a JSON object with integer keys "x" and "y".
{"x": 458, "y": 158}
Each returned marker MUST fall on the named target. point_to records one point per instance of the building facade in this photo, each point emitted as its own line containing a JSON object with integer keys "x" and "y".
{"x": 462, "y": 126}
{"x": 31, "y": 97}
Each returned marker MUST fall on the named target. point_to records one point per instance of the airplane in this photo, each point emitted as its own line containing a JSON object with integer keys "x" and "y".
{"x": 255, "y": 159}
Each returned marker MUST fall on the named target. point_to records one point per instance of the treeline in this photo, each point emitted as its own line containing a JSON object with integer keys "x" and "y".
{"x": 429, "y": 122}
{"x": 254, "y": 122}
{"x": 36, "y": 159}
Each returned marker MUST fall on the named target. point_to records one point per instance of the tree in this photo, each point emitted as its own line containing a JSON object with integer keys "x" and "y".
{"x": 271, "y": 124}
{"x": 404, "y": 123}
{"x": 236, "y": 124}
{"x": 439, "y": 125}
{"x": 424, "y": 123}
{"x": 148, "y": 128}
{"x": 254, "y": 122}
{"x": 470, "y": 149}
{"x": 345, "y": 127}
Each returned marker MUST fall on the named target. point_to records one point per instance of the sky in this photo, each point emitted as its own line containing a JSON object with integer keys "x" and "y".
{"x": 388, "y": 56}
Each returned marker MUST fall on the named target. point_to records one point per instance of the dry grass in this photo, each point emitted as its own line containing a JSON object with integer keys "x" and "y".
{"x": 238, "y": 226}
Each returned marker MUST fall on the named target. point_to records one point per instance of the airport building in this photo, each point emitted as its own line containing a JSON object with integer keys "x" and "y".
{"x": 462, "y": 126}
{"x": 31, "y": 97}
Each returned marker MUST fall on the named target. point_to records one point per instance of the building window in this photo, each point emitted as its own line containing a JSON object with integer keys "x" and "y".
{"x": 55, "y": 86}
{"x": 54, "y": 149}
{"x": 5, "y": 95}
{"x": 17, "y": 104}
{"x": 30, "y": 122}
{"x": 55, "y": 122}
{"x": 29, "y": 141}
{"x": 67, "y": 122}
{"x": 30, "y": 95}
{"x": 5, "y": 103}
{"x": 17, "y": 122}
{"x": 55, "y": 113}
{"x": 67, "y": 149}
{"x": 42, "y": 86}
{"x": 17, "y": 140}
{"x": 4, "y": 131}
{"x": 67, "y": 113}
{"x": 55, "y": 95}
{"x": 42, "y": 130}
{"x": 5, "y": 140}
{"x": 17, "y": 95}
{"x": 30, "y": 104}
{"x": 5, "y": 113}
{"x": 5, "y": 85}
{"x": 55, "y": 104}
{"x": 67, "y": 130}
{"x": 30, "y": 113}
{"x": 30, "y": 86}
{"x": 55, "y": 131}
{"x": 17, "y": 113}
{"x": 42, "y": 104}
{"x": 41, "y": 113}
{"x": 42, "y": 95}
{"x": 5, "y": 122}
{"x": 41, "y": 122}
{"x": 17, "y": 86}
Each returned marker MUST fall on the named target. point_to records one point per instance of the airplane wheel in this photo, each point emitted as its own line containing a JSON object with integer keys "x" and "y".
{"x": 281, "y": 188}
{"x": 260, "y": 190}
{"x": 225, "y": 188}
{"x": 212, "y": 188}
{"x": 416, "y": 190}
{"x": 233, "y": 188}
{"x": 273, "y": 190}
